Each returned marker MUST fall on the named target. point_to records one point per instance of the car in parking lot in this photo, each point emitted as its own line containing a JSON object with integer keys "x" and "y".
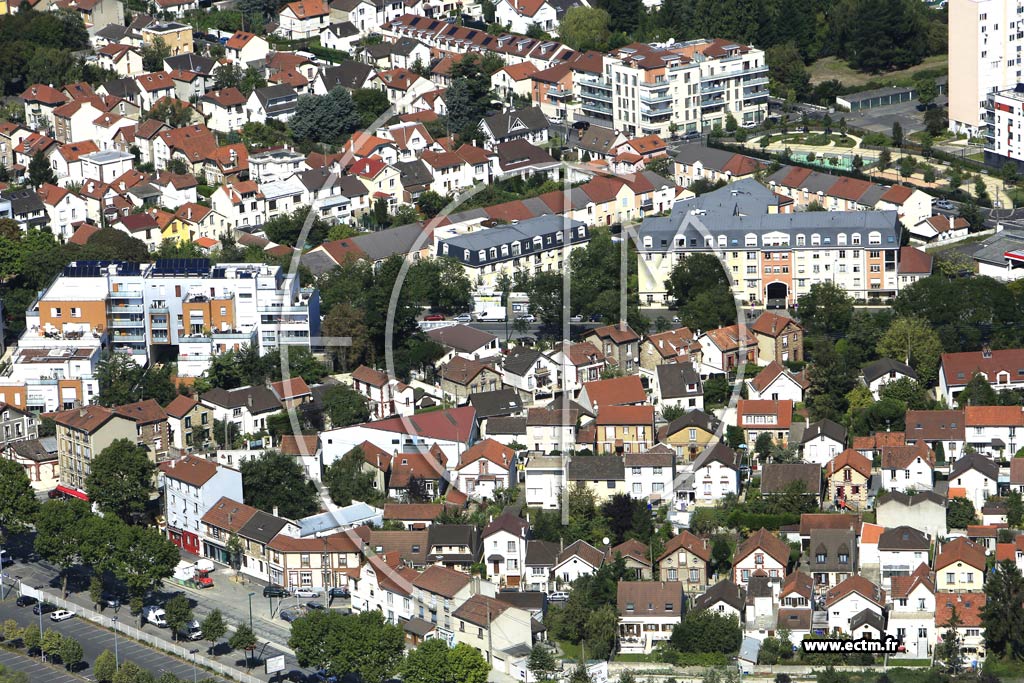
{"x": 528, "y": 317}
{"x": 338, "y": 592}
{"x": 312, "y": 604}
{"x": 273, "y": 591}
{"x": 558, "y": 596}
{"x": 25, "y": 601}
{"x": 44, "y": 608}
{"x": 306, "y": 592}
{"x": 434, "y": 317}
{"x": 61, "y": 615}
{"x": 944, "y": 204}
{"x": 464, "y": 318}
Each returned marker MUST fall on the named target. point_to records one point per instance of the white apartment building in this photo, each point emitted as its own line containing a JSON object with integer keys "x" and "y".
{"x": 771, "y": 255}
{"x": 192, "y": 486}
{"x": 695, "y": 85}
{"x": 187, "y": 303}
{"x": 983, "y": 58}
{"x": 545, "y": 479}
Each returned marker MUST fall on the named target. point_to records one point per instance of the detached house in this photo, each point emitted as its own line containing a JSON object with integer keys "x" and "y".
{"x": 686, "y": 559}
{"x": 907, "y": 467}
{"x": 901, "y": 551}
{"x": 971, "y": 630}
{"x": 832, "y": 555}
{"x": 650, "y": 475}
{"x": 977, "y": 475}
{"x": 846, "y": 603}
{"x": 678, "y": 385}
{"x": 846, "y": 480}
{"x": 673, "y": 346}
{"x": 821, "y": 441}
{"x": 243, "y": 47}
{"x": 527, "y": 124}
{"x": 690, "y": 434}
{"x": 779, "y": 338}
{"x": 761, "y": 551}
{"x": 648, "y": 611}
{"x": 576, "y": 560}
{"x": 944, "y": 431}
{"x": 303, "y": 20}
{"x": 960, "y": 566}
{"x": 879, "y": 373}
{"x": 624, "y": 429}
{"x": 620, "y": 345}
{"x": 771, "y": 417}
{"x": 912, "y": 612}
{"x": 385, "y": 396}
{"x": 504, "y": 549}
{"x": 776, "y": 383}
{"x": 484, "y": 468}
{"x": 726, "y": 348}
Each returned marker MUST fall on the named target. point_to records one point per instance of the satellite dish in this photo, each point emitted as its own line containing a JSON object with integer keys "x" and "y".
{"x": 605, "y": 540}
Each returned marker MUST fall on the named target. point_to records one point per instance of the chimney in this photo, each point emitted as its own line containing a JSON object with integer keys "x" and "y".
{"x": 248, "y": 401}
{"x": 82, "y": 412}
{"x": 189, "y": 213}
{"x": 275, "y": 511}
{"x": 951, "y": 223}
{"x": 173, "y": 462}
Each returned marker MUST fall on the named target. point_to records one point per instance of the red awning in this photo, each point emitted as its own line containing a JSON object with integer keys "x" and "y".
{"x": 73, "y": 492}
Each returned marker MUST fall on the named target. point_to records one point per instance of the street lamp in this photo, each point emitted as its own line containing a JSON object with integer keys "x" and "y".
{"x": 42, "y": 652}
{"x": 250, "y": 609}
{"x": 195, "y": 677}
{"x": 117, "y": 660}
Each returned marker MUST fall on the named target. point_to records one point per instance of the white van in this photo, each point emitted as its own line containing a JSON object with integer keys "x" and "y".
{"x": 155, "y": 615}
{"x": 192, "y": 631}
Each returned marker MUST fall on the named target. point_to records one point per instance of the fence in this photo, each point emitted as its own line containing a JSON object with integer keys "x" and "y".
{"x": 183, "y": 653}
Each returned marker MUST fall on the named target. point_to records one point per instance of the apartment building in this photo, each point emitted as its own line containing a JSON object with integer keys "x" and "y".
{"x": 982, "y": 58}
{"x": 695, "y": 85}
{"x": 201, "y": 309}
{"x": 192, "y": 486}
{"x": 771, "y": 255}
{"x": 529, "y": 247}
{"x": 82, "y": 434}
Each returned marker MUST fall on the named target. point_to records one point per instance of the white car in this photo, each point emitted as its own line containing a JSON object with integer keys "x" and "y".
{"x": 306, "y": 593}
{"x": 528, "y": 317}
{"x": 61, "y": 615}
{"x": 463, "y": 318}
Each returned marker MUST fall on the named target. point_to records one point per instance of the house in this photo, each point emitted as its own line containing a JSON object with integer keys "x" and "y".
{"x": 513, "y": 79}
{"x": 716, "y": 473}
{"x": 541, "y": 557}
{"x": 999, "y": 367}
{"x": 761, "y": 551}
{"x": 689, "y": 434}
{"x": 624, "y": 429}
{"x": 81, "y": 434}
{"x": 940, "y": 228}
{"x": 465, "y": 341}
{"x": 341, "y": 36}
{"x": 847, "y": 478}
{"x": 410, "y": 546}
{"x": 222, "y": 521}
{"x": 849, "y": 599}
{"x": 725, "y": 598}
{"x": 385, "y": 396}
{"x": 924, "y": 510}
{"x": 776, "y": 383}
{"x": 944, "y": 431}
{"x": 583, "y": 362}
{"x": 756, "y": 417}
{"x": 605, "y": 475}
{"x": 303, "y": 20}
{"x": 384, "y": 585}
{"x": 779, "y": 338}
{"x": 993, "y": 429}
{"x": 413, "y": 515}
{"x": 912, "y": 611}
{"x": 247, "y": 408}
{"x": 901, "y": 551}
{"x": 822, "y": 441}
{"x": 224, "y": 109}
{"x": 959, "y": 566}
{"x": 686, "y": 559}
{"x": 38, "y": 457}
{"x": 648, "y": 611}
{"x": 273, "y": 102}
{"x": 552, "y": 428}
{"x": 64, "y": 209}
{"x": 504, "y": 549}
{"x": 530, "y": 372}
{"x": 416, "y": 476}
{"x": 616, "y": 391}
{"x": 485, "y": 468}
{"x": 495, "y": 404}
{"x": 620, "y": 345}
{"x": 152, "y": 430}
{"x": 871, "y": 446}
{"x": 678, "y": 385}
{"x": 438, "y": 592}
{"x": 527, "y": 124}
{"x": 495, "y": 628}
{"x": 544, "y": 481}
{"x": 650, "y": 474}
{"x": 726, "y": 348}
{"x": 517, "y": 16}
{"x": 637, "y": 557}
{"x": 243, "y": 48}
{"x": 453, "y": 545}
{"x": 521, "y": 159}
{"x": 907, "y": 467}
{"x": 192, "y": 486}
{"x": 349, "y": 74}
{"x": 879, "y": 373}
{"x": 978, "y": 475}
{"x": 832, "y": 556}
{"x": 403, "y": 88}
{"x": 256, "y": 535}
{"x": 971, "y": 631}
{"x": 575, "y": 560}
{"x": 461, "y": 378}
{"x": 672, "y": 346}
{"x": 777, "y": 478}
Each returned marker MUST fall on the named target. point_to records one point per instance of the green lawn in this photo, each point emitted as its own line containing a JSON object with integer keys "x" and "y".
{"x": 828, "y": 68}
{"x": 569, "y": 650}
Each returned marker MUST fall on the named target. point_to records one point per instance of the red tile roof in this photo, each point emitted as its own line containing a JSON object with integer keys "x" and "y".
{"x": 626, "y": 415}
{"x": 960, "y": 368}
{"x": 968, "y": 608}
{"x": 192, "y": 470}
{"x": 615, "y": 391}
{"x": 488, "y": 449}
{"x": 849, "y": 458}
{"x": 770, "y": 544}
{"x": 993, "y": 416}
{"x": 963, "y": 550}
{"x": 782, "y": 411}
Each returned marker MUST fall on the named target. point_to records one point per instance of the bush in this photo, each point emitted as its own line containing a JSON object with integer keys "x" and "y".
{"x": 749, "y": 520}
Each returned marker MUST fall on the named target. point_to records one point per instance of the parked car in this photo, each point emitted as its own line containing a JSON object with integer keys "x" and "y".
{"x": 338, "y": 592}
{"x": 312, "y": 604}
{"x": 558, "y": 596}
{"x": 154, "y": 614}
{"x": 61, "y": 615}
{"x": 528, "y": 317}
{"x": 44, "y": 608}
{"x": 56, "y": 494}
{"x": 306, "y": 592}
{"x": 944, "y": 204}
{"x": 275, "y": 592}
{"x": 576, "y": 319}
{"x": 433, "y": 317}
{"x": 464, "y": 318}
{"x": 192, "y": 631}
{"x": 290, "y": 615}
{"x": 25, "y": 601}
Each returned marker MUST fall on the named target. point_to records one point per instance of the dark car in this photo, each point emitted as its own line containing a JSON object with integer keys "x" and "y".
{"x": 295, "y": 676}
{"x": 338, "y": 592}
{"x": 324, "y": 677}
{"x": 56, "y": 495}
{"x": 289, "y": 615}
{"x": 25, "y": 601}
{"x": 275, "y": 592}
{"x": 44, "y": 608}
{"x": 315, "y": 605}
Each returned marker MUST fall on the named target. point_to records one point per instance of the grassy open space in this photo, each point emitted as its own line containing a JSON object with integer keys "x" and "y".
{"x": 828, "y": 68}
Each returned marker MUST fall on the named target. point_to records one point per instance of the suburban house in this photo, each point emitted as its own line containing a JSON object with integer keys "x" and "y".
{"x": 779, "y": 338}
{"x": 716, "y": 473}
{"x": 977, "y": 475}
{"x": 624, "y": 429}
{"x": 971, "y": 630}
{"x": 998, "y": 367}
{"x": 877, "y": 374}
{"x": 776, "y": 383}
{"x": 620, "y": 345}
{"x": 686, "y": 559}
{"x": 777, "y": 478}
{"x": 576, "y": 560}
{"x": 832, "y": 556}
{"x": 604, "y": 475}
{"x": 384, "y": 396}
{"x": 689, "y": 434}
{"x": 726, "y": 348}
{"x": 756, "y": 417}
{"x": 504, "y": 549}
{"x": 650, "y": 474}
{"x": 901, "y": 550}
{"x": 846, "y": 480}
{"x": 944, "y": 431}
{"x": 672, "y": 346}
{"x": 648, "y": 611}
{"x": 461, "y": 378}
{"x": 960, "y": 566}
{"x": 485, "y": 468}
{"x": 725, "y": 598}
{"x": 924, "y": 510}
{"x": 678, "y": 385}
{"x": 821, "y": 441}
{"x": 908, "y": 467}
{"x": 912, "y": 611}
{"x": 761, "y": 551}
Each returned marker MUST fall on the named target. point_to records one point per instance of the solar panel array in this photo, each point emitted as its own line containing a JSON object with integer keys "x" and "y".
{"x": 181, "y": 266}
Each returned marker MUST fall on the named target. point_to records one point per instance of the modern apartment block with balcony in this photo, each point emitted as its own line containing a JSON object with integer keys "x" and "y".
{"x": 198, "y": 308}
{"x": 1003, "y": 121}
{"x": 660, "y": 88}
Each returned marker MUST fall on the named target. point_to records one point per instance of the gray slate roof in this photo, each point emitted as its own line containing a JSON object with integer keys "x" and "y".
{"x": 883, "y": 366}
{"x": 517, "y": 122}
{"x": 903, "y": 538}
{"x": 348, "y": 74}
{"x": 977, "y": 462}
{"x": 501, "y": 402}
{"x": 262, "y": 527}
{"x": 520, "y": 359}
{"x": 832, "y": 430}
{"x": 596, "y": 468}
{"x": 674, "y": 378}
{"x": 414, "y": 175}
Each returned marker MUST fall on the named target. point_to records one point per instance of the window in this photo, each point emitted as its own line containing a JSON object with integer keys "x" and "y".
{"x": 511, "y": 546}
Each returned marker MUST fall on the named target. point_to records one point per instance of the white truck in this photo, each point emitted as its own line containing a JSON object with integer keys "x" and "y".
{"x": 154, "y": 614}
{"x": 491, "y": 315}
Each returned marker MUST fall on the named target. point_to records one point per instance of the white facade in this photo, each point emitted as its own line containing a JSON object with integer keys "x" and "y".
{"x": 899, "y": 563}
{"x": 545, "y": 479}
{"x": 185, "y": 503}
{"x": 912, "y": 620}
{"x": 982, "y": 58}
{"x": 648, "y": 482}
{"x": 842, "y": 611}
{"x": 821, "y": 450}
{"x": 979, "y": 487}
{"x": 512, "y": 550}
{"x": 917, "y": 476}
{"x": 713, "y": 481}
{"x": 370, "y": 594}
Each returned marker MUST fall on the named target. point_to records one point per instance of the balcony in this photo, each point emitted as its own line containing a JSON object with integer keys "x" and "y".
{"x": 128, "y": 337}
{"x": 664, "y": 96}
{"x": 126, "y": 294}
{"x": 591, "y": 81}
{"x": 559, "y": 94}
{"x": 597, "y": 107}
{"x": 125, "y": 308}
{"x": 717, "y": 86}
{"x": 116, "y": 323}
{"x": 158, "y": 309}
{"x": 594, "y": 95}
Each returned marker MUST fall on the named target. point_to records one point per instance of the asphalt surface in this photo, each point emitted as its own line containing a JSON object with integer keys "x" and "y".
{"x": 34, "y": 669}
{"x": 94, "y": 640}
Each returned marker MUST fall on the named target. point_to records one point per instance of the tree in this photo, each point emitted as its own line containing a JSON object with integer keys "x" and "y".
{"x": 960, "y": 513}
{"x": 707, "y": 631}
{"x": 362, "y": 642}
{"x": 701, "y": 289}
{"x": 897, "y": 134}
{"x": 130, "y": 672}
{"x": 907, "y": 166}
{"x": 950, "y": 650}
{"x": 884, "y": 159}
{"x": 58, "y": 533}
{"x": 39, "y": 171}
{"x": 154, "y": 54}
{"x": 227, "y": 76}
{"x": 428, "y": 663}
{"x": 214, "y": 627}
{"x": 104, "y": 668}
{"x": 70, "y": 652}
{"x": 173, "y": 112}
{"x": 278, "y": 481}
{"x": 927, "y": 91}
{"x": 1014, "y": 509}
{"x": 119, "y": 377}
{"x": 915, "y": 342}
{"x": 936, "y": 121}
{"x": 51, "y": 643}
{"x": 346, "y": 480}
{"x": 345, "y": 406}
{"x": 907, "y": 391}
{"x": 601, "y": 628}
{"x": 18, "y": 503}
{"x": 346, "y": 320}
{"x": 243, "y": 639}
{"x": 11, "y": 630}
{"x": 121, "y": 479}
{"x": 470, "y": 93}
{"x": 787, "y": 71}
{"x": 324, "y": 118}
{"x": 585, "y": 28}
{"x": 1008, "y": 173}
{"x": 542, "y": 664}
{"x": 826, "y": 309}
{"x": 143, "y": 557}
{"x": 1001, "y": 615}
{"x": 178, "y": 614}
{"x": 31, "y": 637}
{"x": 465, "y": 663}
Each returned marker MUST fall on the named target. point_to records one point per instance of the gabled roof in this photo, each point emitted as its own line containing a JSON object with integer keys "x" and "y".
{"x": 584, "y": 551}
{"x": 725, "y": 591}
{"x": 616, "y": 391}
{"x": 935, "y": 425}
{"x": 884, "y": 366}
{"x": 963, "y": 550}
{"x": 143, "y": 412}
{"x": 257, "y": 399}
{"x": 781, "y": 411}
{"x": 415, "y": 512}
{"x": 719, "y": 453}
{"x": 810, "y": 521}
{"x": 190, "y": 469}
{"x": 903, "y": 586}
{"x": 487, "y": 449}
{"x": 650, "y": 598}
{"x": 901, "y": 457}
{"x": 904, "y": 538}
{"x": 849, "y": 458}
{"x": 776, "y": 477}
{"x": 859, "y": 585}
{"x": 229, "y": 514}
{"x": 495, "y": 403}
{"x": 825, "y": 428}
{"x": 691, "y": 418}
{"x": 596, "y": 468}
{"x": 87, "y": 419}
{"x": 687, "y": 541}
{"x": 977, "y": 462}
{"x": 507, "y": 522}
{"x": 461, "y": 337}
{"x": 675, "y": 380}
{"x": 968, "y": 608}
{"x": 993, "y": 416}
{"x": 768, "y": 543}
{"x": 626, "y": 415}
{"x": 516, "y": 122}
